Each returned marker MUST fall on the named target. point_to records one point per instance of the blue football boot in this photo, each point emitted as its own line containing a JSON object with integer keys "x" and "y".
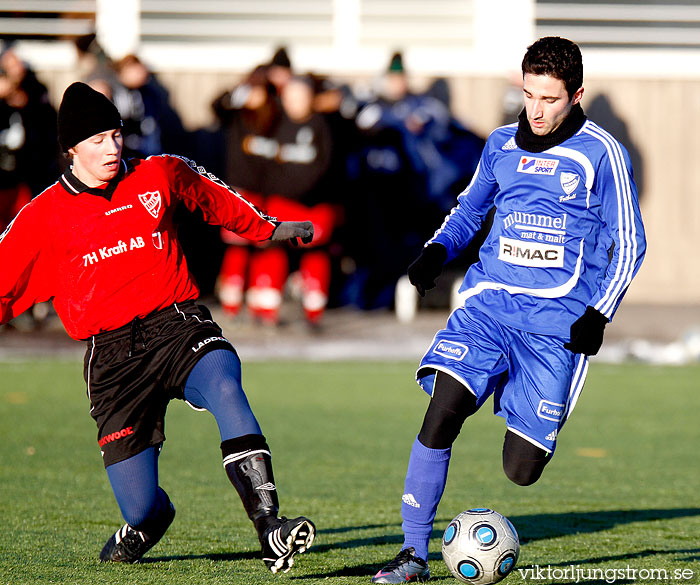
{"x": 405, "y": 568}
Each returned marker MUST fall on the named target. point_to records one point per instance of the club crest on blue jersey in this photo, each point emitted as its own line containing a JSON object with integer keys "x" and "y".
{"x": 451, "y": 349}
{"x": 550, "y": 410}
{"x": 569, "y": 182}
{"x": 537, "y": 166}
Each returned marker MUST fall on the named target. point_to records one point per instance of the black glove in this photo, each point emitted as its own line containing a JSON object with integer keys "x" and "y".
{"x": 587, "y": 332}
{"x": 427, "y": 267}
{"x": 291, "y": 230}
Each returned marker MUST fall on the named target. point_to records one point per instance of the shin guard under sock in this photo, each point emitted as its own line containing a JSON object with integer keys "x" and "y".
{"x": 425, "y": 483}
{"x": 248, "y": 464}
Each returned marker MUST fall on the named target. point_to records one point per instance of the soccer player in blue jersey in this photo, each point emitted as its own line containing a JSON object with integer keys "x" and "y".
{"x": 566, "y": 241}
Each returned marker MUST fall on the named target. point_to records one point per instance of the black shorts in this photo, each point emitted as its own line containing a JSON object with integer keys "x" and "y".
{"x": 134, "y": 371}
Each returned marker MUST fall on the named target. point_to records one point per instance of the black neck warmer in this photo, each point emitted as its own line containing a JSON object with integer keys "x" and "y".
{"x": 527, "y": 140}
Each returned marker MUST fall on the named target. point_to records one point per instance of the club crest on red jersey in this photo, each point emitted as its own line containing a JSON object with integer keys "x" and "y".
{"x": 151, "y": 201}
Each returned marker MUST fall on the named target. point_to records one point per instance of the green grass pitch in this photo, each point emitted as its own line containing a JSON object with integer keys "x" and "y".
{"x": 620, "y": 497}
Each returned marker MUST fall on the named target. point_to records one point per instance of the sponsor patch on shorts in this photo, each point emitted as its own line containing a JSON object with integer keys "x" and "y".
{"x": 550, "y": 410}
{"x": 451, "y": 349}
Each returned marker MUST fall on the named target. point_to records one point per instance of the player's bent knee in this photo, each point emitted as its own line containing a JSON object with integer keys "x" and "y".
{"x": 523, "y": 462}
{"x": 522, "y": 474}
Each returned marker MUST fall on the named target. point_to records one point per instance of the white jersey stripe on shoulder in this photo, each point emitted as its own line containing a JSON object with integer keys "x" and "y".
{"x": 626, "y": 226}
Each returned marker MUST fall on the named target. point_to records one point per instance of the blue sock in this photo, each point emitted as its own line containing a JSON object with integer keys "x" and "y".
{"x": 215, "y": 385}
{"x": 425, "y": 483}
{"x": 135, "y": 485}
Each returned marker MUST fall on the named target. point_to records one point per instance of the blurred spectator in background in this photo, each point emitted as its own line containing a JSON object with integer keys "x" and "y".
{"x": 415, "y": 160}
{"x": 338, "y": 105}
{"x": 290, "y": 172}
{"x": 299, "y": 184}
{"x": 151, "y": 125}
{"x": 279, "y": 70}
{"x": 93, "y": 65}
{"x": 28, "y": 141}
{"x": 248, "y": 116}
{"x": 387, "y": 200}
{"x": 441, "y": 150}
{"x": 512, "y": 99}
{"x": 29, "y": 154}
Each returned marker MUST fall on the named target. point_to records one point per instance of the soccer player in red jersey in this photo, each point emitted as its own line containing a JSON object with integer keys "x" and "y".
{"x": 109, "y": 258}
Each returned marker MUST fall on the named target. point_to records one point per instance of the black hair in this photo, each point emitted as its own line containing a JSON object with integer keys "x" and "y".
{"x": 557, "y": 57}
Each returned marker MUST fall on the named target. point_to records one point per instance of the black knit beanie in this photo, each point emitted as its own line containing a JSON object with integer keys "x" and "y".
{"x": 84, "y": 112}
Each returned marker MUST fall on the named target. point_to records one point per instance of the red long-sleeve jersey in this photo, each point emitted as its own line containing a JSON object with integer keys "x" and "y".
{"x": 106, "y": 256}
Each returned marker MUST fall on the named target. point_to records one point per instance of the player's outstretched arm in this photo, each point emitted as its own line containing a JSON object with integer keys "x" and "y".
{"x": 291, "y": 230}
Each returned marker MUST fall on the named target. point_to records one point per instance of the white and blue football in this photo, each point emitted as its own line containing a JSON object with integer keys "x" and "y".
{"x": 480, "y": 546}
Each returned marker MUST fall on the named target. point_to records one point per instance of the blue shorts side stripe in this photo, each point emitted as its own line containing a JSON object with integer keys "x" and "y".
{"x": 577, "y": 381}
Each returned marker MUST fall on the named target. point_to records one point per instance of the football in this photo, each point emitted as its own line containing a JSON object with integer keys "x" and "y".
{"x": 480, "y": 546}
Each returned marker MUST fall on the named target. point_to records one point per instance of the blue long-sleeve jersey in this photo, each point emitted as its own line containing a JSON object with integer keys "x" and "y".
{"x": 567, "y": 231}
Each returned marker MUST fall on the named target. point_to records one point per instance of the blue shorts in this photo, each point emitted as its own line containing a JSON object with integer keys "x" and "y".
{"x": 534, "y": 380}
